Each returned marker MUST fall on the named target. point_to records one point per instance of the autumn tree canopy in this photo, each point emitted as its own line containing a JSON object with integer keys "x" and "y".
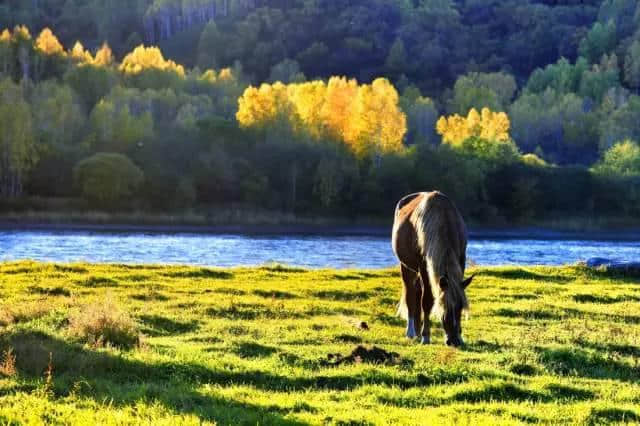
{"x": 366, "y": 117}
{"x": 488, "y": 125}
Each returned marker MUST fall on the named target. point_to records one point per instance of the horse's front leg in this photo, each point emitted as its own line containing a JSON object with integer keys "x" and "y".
{"x": 411, "y": 301}
{"x": 417, "y": 319}
{"x": 427, "y": 304}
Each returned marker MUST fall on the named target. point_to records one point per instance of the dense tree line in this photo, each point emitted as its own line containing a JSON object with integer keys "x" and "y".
{"x": 322, "y": 107}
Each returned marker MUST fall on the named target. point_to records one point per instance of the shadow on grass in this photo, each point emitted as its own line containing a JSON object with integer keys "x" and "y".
{"x": 275, "y": 294}
{"x": 50, "y": 291}
{"x": 523, "y": 274}
{"x": 542, "y": 314}
{"x": 612, "y": 415}
{"x": 252, "y": 311}
{"x": 71, "y": 269}
{"x": 626, "y": 277}
{"x": 576, "y": 362}
{"x": 151, "y": 296}
{"x": 126, "y": 382}
{"x": 71, "y": 362}
{"x": 97, "y": 282}
{"x": 390, "y": 319}
{"x": 199, "y": 273}
{"x": 527, "y": 314}
{"x": 229, "y": 291}
{"x": 156, "y": 325}
{"x": 602, "y": 299}
{"x": 628, "y": 350}
{"x": 283, "y": 269}
{"x": 253, "y": 350}
{"x": 508, "y": 392}
{"x": 482, "y": 346}
{"x": 342, "y": 296}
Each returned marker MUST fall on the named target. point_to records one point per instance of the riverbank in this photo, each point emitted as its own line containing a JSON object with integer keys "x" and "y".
{"x": 278, "y": 345}
{"x": 266, "y": 222}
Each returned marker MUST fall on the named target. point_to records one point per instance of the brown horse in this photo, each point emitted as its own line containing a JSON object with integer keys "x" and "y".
{"x": 430, "y": 240}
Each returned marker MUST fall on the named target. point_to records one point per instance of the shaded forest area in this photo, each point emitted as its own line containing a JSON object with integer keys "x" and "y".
{"x": 520, "y": 110}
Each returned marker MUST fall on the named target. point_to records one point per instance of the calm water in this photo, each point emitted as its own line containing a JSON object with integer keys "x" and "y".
{"x": 306, "y": 251}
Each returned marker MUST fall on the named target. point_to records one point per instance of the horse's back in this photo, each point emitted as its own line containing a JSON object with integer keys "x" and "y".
{"x": 434, "y": 207}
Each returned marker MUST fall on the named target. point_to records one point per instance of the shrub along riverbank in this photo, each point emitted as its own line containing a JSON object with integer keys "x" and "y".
{"x": 180, "y": 345}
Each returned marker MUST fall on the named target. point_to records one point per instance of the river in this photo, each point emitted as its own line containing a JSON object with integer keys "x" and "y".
{"x": 311, "y": 251}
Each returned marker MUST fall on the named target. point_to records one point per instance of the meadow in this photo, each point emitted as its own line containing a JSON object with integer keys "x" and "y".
{"x": 122, "y": 344}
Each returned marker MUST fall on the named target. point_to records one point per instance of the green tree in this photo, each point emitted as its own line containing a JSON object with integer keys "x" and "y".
{"x": 17, "y": 143}
{"x": 621, "y": 160}
{"x": 107, "y": 178}
{"x": 601, "y": 39}
{"x": 396, "y": 61}
{"x": 632, "y": 66}
{"x": 287, "y": 71}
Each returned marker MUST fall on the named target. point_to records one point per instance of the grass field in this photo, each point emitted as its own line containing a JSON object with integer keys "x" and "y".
{"x": 252, "y": 346}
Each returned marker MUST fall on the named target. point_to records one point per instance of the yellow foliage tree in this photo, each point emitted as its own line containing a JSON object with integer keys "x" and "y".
{"x": 79, "y": 54}
{"x": 104, "y": 56}
{"x": 21, "y": 32}
{"x": 225, "y": 74}
{"x": 260, "y": 106}
{"x": 308, "y": 99}
{"x": 366, "y": 117}
{"x": 49, "y": 44}
{"x": 487, "y": 125}
{"x": 338, "y": 106}
{"x": 211, "y": 76}
{"x": 143, "y": 58}
{"x": 5, "y": 36}
{"x": 378, "y": 123}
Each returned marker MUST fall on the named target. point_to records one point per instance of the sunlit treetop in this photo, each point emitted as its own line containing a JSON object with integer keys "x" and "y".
{"x": 21, "y": 32}
{"x": 144, "y": 58}
{"x": 534, "y": 161}
{"x": 49, "y": 44}
{"x": 225, "y": 74}
{"x": 104, "y": 56}
{"x": 488, "y": 125}
{"x": 79, "y": 54}
{"x": 211, "y": 76}
{"x": 367, "y": 118}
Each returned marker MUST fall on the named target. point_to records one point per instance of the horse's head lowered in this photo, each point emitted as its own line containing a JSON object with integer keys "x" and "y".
{"x": 455, "y": 301}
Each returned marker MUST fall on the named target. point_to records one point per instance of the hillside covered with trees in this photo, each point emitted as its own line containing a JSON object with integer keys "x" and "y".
{"x": 520, "y": 110}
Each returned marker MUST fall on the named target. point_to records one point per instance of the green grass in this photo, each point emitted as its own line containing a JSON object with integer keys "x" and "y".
{"x": 252, "y": 346}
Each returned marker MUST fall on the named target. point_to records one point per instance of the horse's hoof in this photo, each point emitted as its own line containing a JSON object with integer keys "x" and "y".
{"x": 425, "y": 340}
{"x": 411, "y": 329}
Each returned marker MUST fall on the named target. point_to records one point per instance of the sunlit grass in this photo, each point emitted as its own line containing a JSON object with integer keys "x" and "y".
{"x": 252, "y": 346}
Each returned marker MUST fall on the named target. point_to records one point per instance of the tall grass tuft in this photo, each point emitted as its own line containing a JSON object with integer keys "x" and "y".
{"x": 8, "y": 364}
{"x": 104, "y": 323}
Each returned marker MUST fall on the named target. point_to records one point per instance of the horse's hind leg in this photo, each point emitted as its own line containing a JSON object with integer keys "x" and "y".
{"x": 427, "y": 305}
{"x": 411, "y": 301}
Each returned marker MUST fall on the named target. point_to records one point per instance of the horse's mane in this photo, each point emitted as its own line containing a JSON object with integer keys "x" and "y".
{"x": 432, "y": 221}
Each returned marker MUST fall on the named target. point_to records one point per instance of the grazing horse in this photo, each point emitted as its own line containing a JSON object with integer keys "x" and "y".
{"x": 430, "y": 240}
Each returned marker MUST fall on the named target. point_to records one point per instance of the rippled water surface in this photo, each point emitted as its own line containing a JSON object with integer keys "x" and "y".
{"x": 307, "y": 251}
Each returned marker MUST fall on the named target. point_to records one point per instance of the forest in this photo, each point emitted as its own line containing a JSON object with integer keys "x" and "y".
{"x": 522, "y": 111}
